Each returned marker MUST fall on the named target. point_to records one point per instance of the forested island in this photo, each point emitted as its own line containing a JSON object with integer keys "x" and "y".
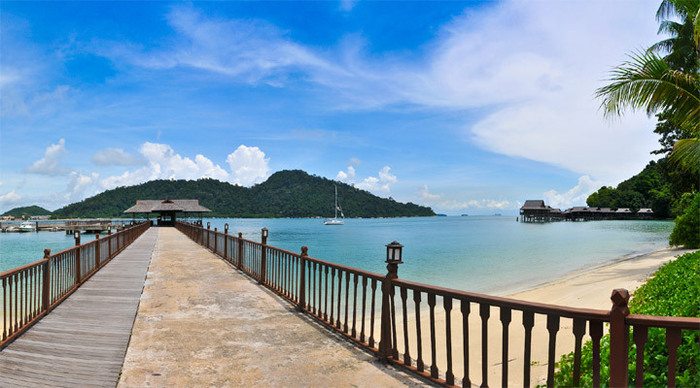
{"x": 288, "y": 193}
{"x": 27, "y": 211}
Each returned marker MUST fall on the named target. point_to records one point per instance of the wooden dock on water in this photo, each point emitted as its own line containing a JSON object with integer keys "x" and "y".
{"x": 82, "y": 342}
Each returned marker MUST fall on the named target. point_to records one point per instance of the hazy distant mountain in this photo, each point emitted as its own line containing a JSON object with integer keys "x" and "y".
{"x": 289, "y": 193}
{"x": 29, "y": 211}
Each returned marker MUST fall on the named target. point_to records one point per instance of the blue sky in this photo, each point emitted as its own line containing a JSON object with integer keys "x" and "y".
{"x": 463, "y": 106}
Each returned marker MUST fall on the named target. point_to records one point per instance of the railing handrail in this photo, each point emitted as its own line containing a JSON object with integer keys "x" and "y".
{"x": 12, "y": 271}
{"x": 683, "y": 323}
{"x": 516, "y": 304}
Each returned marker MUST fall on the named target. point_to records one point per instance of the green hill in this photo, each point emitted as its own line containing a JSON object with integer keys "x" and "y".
{"x": 289, "y": 193}
{"x": 27, "y": 211}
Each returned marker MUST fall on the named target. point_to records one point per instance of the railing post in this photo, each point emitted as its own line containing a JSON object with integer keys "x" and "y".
{"x": 215, "y": 238}
{"x": 208, "y": 227}
{"x": 619, "y": 338}
{"x": 225, "y": 241}
{"x": 46, "y": 281}
{"x": 109, "y": 244}
{"x": 302, "y": 278}
{"x": 240, "y": 250}
{"x": 263, "y": 256}
{"x": 77, "y": 258}
{"x": 97, "y": 251}
{"x": 393, "y": 259}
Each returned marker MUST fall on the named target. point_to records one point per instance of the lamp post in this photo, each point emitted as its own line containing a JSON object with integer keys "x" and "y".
{"x": 226, "y": 241}
{"x": 394, "y": 257}
{"x": 76, "y": 236}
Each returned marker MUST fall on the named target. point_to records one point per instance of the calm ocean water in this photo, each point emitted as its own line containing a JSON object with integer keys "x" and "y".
{"x": 487, "y": 254}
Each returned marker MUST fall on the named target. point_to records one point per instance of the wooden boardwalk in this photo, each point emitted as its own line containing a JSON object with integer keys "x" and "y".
{"x": 84, "y": 340}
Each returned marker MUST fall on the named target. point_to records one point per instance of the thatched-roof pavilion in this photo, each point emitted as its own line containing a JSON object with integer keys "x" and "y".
{"x": 167, "y": 209}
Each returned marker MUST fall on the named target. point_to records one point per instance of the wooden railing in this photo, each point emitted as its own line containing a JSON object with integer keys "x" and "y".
{"x": 400, "y": 321}
{"x": 32, "y": 291}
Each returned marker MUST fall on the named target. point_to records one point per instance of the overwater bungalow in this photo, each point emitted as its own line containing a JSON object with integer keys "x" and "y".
{"x": 538, "y": 211}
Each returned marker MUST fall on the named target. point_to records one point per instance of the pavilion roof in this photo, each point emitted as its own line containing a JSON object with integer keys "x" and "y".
{"x": 160, "y": 205}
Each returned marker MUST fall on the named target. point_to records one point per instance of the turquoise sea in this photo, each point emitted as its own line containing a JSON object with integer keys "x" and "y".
{"x": 487, "y": 254}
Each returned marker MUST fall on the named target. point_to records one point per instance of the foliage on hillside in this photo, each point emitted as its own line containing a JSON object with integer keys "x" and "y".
{"x": 659, "y": 187}
{"x": 674, "y": 290}
{"x": 27, "y": 211}
{"x": 687, "y": 229}
{"x": 285, "y": 194}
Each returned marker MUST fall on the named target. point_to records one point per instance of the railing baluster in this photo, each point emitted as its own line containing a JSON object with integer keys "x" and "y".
{"x": 406, "y": 352}
{"x": 579, "y": 330}
{"x": 354, "y": 305}
{"x": 420, "y": 365}
{"x": 371, "y": 318}
{"x": 332, "y": 294}
{"x": 447, "y": 304}
{"x": 340, "y": 288}
{"x": 325, "y": 293}
{"x": 673, "y": 341}
{"x": 465, "y": 309}
{"x": 640, "y": 338}
{"x": 596, "y": 330}
{"x": 347, "y": 293}
{"x": 552, "y": 328}
{"x": 484, "y": 313}
{"x": 433, "y": 345}
{"x": 505, "y": 315}
{"x": 364, "y": 307}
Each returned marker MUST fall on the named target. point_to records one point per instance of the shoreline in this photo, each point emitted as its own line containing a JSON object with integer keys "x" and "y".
{"x": 590, "y": 286}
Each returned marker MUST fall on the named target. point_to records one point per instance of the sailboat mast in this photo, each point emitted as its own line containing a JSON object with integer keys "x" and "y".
{"x": 336, "y": 201}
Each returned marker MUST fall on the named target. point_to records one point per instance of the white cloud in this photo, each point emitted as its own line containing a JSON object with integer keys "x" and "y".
{"x": 81, "y": 186}
{"x": 248, "y": 165}
{"x": 10, "y": 198}
{"x": 576, "y": 196}
{"x": 115, "y": 157}
{"x": 347, "y": 176}
{"x": 535, "y": 81}
{"x": 50, "y": 163}
{"x": 381, "y": 183}
{"x": 347, "y": 5}
{"x": 441, "y": 203}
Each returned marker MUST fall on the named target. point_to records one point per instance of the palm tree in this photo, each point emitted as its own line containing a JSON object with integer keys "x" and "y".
{"x": 670, "y": 84}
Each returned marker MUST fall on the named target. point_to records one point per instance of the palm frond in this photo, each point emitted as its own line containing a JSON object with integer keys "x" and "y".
{"x": 647, "y": 82}
{"x": 663, "y": 46}
{"x": 686, "y": 153}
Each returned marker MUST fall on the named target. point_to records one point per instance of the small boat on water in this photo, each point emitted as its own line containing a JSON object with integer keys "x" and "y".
{"x": 335, "y": 220}
{"x": 27, "y": 226}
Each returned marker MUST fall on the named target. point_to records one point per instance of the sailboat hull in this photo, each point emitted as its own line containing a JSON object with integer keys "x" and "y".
{"x": 333, "y": 222}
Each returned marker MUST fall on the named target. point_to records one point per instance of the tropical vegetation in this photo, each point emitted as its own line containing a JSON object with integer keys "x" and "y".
{"x": 27, "y": 211}
{"x": 667, "y": 293}
{"x": 664, "y": 80}
{"x": 289, "y": 193}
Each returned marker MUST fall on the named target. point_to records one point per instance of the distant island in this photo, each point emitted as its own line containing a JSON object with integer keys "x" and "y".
{"x": 26, "y": 211}
{"x": 288, "y": 193}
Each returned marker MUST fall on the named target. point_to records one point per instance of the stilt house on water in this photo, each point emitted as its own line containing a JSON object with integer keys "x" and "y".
{"x": 167, "y": 210}
{"x": 537, "y": 211}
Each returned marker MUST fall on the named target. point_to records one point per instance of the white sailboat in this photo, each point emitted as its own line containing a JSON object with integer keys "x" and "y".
{"x": 335, "y": 220}
{"x": 27, "y": 226}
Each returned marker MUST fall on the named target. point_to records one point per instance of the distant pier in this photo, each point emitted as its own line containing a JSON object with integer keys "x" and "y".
{"x": 535, "y": 211}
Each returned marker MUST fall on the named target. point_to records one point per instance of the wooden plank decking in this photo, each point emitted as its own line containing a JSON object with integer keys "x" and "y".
{"x": 83, "y": 341}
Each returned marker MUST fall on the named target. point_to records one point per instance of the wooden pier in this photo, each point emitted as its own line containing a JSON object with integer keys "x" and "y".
{"x": 224, "y": 297}
{"x": 82, "y": 342}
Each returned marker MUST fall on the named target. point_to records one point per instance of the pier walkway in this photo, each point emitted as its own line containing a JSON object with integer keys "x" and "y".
{"x": 83, "y": 341}
{"x": 202, "y": 322}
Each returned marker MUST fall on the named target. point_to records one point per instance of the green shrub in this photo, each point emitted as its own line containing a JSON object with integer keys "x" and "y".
{"x": 674, "y": 290}
{"x": 686, "y": 232}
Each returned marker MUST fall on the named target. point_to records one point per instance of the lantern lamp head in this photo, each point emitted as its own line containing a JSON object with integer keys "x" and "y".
{"x": 208, "y": 225}
{"x": 265, "y": 232}
{"x": 76, "y": 234}
{"x": 226, "y": 227}
{"x": 394, "y": 253}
